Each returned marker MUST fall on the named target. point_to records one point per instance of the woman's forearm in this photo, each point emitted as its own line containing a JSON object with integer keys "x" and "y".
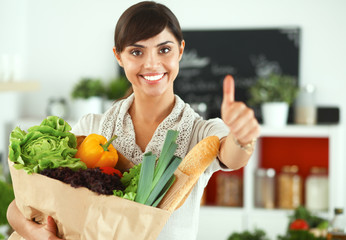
{"x": 232, "y": 155}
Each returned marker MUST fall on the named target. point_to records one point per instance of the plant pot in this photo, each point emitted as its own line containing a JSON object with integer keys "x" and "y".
{"x": 274, "y": 114}
{"x": 85, "y": 106}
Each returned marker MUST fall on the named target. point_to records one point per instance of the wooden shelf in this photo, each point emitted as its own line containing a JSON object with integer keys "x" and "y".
{"x": 275, "y": 221}
{"x": 295, "y": 130}
{"x": 19, "y": 86}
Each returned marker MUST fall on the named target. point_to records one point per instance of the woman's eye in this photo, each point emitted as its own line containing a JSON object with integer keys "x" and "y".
{"x": 136, "y": 52}
{"x": 165, "y": 50}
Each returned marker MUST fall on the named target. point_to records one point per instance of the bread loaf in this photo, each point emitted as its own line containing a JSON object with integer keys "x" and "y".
{"x": 193, "y": 165}
{"x": 200, "y": 156}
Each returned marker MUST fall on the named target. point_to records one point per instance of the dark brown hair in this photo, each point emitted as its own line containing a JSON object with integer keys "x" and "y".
{"x": 142, "y": 21}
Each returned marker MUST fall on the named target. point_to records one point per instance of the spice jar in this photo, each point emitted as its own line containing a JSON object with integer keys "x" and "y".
{"x": 305, "y": 107}
{"x": 316, "y": 189}
{"x": 289, "y": 188}
{"x": 337, "y": 226}
{"x": 265, "y": 188}
{"x": 229, "y": 190}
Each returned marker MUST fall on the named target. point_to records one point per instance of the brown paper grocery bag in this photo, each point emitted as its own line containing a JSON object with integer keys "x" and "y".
{"x": 82, "y": 214}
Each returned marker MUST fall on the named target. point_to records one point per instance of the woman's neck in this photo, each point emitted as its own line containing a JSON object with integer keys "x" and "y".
{"x": 151, "y": 110}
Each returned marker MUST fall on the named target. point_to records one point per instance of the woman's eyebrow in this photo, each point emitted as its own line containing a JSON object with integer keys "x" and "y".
{"x": 136, "y": 45}
{"x": 142, "y": 46}
{"x": 163, "y": 43}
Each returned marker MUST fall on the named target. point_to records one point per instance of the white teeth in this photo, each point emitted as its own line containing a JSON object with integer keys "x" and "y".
{"x": 153, "y": 78}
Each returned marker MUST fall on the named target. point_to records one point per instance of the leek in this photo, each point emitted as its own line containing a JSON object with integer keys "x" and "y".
{"x": 145, "y": 177}
{"x": 170, "y": 139}
{"x": 154, "y": 182}
{"x": 166, "y": 176}
{"x": 164, "y": 191}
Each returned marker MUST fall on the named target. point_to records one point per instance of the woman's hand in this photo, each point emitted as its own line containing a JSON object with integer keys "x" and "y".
{"x": 237, "y": 147}
{"x": 45, "y": 231}
{"x": 29, "y": 229}
{"x": 237, "y": 116}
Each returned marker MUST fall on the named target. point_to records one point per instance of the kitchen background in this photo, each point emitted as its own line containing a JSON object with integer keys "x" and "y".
{"x": 55, "y": 43}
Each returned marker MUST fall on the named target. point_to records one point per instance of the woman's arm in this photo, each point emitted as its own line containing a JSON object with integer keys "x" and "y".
{"x": 29, "y": 229}
{"x": 237, "y": 147}
{"x": 233, "y": 154}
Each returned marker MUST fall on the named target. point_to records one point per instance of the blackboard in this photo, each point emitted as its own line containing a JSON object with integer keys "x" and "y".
{"x": 244, "y": 53}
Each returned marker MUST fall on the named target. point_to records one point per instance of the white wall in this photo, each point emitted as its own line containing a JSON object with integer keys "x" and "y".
{"x": 60, "y": 41}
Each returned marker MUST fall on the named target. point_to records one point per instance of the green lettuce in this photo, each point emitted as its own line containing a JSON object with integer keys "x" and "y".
{"x": 49, "y": 145}
{"x": 130, "y": 180}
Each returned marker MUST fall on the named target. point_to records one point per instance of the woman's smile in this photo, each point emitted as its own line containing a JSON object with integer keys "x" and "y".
{"x": 153, "y": 78}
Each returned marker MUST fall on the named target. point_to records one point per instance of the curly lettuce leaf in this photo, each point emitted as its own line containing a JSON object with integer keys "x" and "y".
{"x": 130, "y": 180}
{"x": 129, "y": 196}
{"x": 49, "y": 145}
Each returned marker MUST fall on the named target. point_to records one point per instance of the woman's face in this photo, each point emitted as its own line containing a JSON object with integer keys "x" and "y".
{"x": 152, "y": 65}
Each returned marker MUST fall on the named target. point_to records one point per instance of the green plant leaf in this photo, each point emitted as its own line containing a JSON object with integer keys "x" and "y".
{"x": 117, "y": 88}
{"x": 274, "y": 88}
{"x": 88, "y": 87}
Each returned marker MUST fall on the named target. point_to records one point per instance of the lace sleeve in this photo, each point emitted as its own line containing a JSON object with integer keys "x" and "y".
{"x": 89, "y": 123}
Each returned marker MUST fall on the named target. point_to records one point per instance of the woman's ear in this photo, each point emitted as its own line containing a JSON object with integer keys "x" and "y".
{"x": 117, "y": 56}
{"x": 181, "y": 49}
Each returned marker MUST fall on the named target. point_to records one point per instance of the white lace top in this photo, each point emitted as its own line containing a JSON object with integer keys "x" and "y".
{"x": 183, "y": 223}
{"x": 118, "y": 121}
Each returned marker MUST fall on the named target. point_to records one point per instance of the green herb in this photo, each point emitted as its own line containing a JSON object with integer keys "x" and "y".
{"x": 49, "y": 145}
{"x": 247, "y": 235}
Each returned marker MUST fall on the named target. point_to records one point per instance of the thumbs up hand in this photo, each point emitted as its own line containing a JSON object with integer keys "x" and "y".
{"x": 237, "y": 116}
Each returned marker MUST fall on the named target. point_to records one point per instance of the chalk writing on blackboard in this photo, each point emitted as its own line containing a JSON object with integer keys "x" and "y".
{"x": 263, "y": 66}
{"x": 191, "y": 59}
{"x": 247, "y": 54}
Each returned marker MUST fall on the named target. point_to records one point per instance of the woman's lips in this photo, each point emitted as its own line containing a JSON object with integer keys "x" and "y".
{"x": 153, "y": 78}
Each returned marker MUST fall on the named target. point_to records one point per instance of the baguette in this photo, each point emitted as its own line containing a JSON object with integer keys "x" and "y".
{"x": 193, "y": 165}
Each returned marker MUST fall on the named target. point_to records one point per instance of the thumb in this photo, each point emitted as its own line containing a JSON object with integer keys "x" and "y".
{"x": 51, "y": 225}
{"x": 228, "y": 89}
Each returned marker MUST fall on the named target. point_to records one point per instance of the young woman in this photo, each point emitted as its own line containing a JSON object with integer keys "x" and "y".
{"x": 149, "y": 45}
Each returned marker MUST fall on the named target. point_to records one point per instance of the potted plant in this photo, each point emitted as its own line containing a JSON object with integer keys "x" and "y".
{"x": 274, "y": 94}
{"x": 117, "y": 88}
{"x": 88, "y": 96}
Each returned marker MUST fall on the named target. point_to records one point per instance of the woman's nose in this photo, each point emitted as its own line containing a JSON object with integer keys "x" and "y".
{"x": 152, "y": 60}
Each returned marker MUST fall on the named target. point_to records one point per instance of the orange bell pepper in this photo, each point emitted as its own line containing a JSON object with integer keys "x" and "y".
{"x": 96, "y": 151}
